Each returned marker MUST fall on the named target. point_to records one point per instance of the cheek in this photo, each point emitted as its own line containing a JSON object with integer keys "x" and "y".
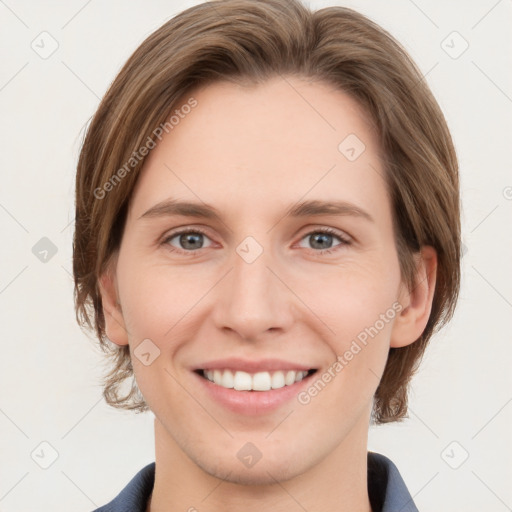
{"x": 360, "y": 349}
{"x": 157, "y": 299}
{"x": 158, "y": 302}
{"x": 355, "y": 297}
{"x": 359, "y": 307}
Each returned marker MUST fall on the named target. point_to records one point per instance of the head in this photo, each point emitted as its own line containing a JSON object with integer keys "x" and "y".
{"x": 254, "y": 119}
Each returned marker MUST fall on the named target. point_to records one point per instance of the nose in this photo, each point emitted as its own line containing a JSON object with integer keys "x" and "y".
{"x": 252, "y": 299}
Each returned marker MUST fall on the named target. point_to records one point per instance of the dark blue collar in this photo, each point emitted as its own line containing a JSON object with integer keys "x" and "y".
{"x": 386, "y": 489}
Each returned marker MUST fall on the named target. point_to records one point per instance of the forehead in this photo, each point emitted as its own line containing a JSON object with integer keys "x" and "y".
{"x": 244, "y": 146}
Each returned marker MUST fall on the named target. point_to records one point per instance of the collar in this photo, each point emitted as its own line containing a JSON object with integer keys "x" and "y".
{"x": 386, "y": 489}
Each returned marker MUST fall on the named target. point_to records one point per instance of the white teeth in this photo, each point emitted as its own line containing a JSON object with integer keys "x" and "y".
{"x": 290, "y": 378}
{"x": 278, "y": 380}
{"x": 228, "y": 380}
{"x": 260, "y": 381}
{"x": 242, "y": 382}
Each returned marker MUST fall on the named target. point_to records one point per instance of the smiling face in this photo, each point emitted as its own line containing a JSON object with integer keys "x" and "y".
{"x": 249, "y": 280}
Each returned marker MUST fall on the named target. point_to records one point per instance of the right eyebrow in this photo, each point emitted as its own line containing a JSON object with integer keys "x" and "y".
{"x": 170, "y": 207}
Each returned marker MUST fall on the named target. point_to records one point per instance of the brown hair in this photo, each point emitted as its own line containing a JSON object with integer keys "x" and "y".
{"x": 247, "y": 42}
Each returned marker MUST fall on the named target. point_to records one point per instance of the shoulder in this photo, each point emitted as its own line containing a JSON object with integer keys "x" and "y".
{"x": 386, "y": 487}
{"x": 135, "y": 495}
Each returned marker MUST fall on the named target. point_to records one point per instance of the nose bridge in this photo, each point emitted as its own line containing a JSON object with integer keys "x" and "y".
{"x": 253, "y": 298}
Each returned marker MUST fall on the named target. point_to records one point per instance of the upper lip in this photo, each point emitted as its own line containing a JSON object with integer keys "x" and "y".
{"x": 252, "y": 366}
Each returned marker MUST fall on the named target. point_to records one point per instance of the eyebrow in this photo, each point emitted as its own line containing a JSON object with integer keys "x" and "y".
{"x": 170, "y": 207}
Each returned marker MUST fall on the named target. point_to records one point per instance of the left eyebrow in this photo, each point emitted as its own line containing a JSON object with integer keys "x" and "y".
{"x": 170, "y": 207}
{"x": 340, "y": 208}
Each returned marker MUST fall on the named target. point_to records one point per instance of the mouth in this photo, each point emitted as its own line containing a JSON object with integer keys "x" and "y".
{"x": 259, "y": 381}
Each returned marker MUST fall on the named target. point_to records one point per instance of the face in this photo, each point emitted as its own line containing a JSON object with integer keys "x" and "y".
{"x": 274, "y": 288}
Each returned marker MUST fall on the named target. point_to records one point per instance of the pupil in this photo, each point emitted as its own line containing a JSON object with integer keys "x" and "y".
{"x": 320, "y": 236}
{"x": 187, "y": 240}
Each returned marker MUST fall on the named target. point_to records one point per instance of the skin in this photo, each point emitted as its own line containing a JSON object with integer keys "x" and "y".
{"x": 251, "y": 153}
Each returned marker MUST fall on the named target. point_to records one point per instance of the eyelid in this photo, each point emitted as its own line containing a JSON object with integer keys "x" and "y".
{"x": 327, "y": 229}
{"x": 345, "y": 239}
{"x": 180, "y": 231}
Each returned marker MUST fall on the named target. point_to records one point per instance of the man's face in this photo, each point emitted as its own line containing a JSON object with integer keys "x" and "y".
{"x": 252, "y": 291}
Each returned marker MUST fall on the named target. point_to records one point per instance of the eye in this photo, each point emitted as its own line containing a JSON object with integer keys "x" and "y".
{"x": 321, "y": 240}
{"x": 187, "y": 241}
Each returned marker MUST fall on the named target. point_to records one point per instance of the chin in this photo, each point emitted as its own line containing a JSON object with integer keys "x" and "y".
{"x": 264, "y": 475}
{"x": 264, "y": 472}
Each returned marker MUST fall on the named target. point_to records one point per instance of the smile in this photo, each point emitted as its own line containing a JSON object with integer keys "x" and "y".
{"x": 260, "y": 381}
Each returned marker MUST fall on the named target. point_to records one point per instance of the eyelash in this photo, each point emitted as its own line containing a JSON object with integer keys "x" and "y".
{"x": 344, "y": 241}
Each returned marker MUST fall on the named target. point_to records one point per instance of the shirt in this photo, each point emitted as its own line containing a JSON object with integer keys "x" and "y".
{"x": 386, "y": 489}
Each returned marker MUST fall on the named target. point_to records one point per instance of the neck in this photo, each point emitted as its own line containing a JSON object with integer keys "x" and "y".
{"x": 336, "y": 483}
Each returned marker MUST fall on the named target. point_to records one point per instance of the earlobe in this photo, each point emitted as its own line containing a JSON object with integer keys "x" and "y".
{"x": 115, "y": 327}
{"x": 416, "y": 303}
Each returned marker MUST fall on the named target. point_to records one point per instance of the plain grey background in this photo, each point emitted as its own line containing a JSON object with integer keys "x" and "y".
{"x": 62, "y": 448}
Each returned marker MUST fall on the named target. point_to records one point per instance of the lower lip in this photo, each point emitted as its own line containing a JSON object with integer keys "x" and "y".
{"x": 253, "y": 403}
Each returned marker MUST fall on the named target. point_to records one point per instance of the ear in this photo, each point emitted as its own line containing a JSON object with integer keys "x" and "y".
{"x": 115, "y": 327}
{"x": 416, "y": 303}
